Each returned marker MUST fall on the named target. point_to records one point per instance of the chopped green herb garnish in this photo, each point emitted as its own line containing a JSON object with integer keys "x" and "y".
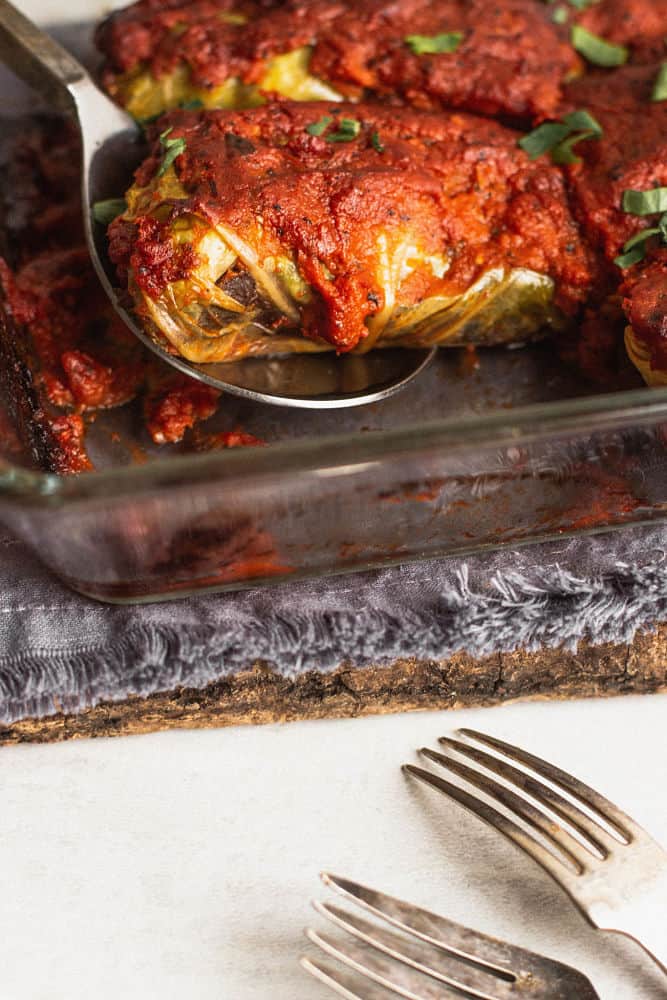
{"x": 564, "y": 153}
{"x": 376, "y": 142}
{"x": 631, "y": 257}
{"x": 584, "y": 121}
{"x": 596, "y": 50}
{"x": 660, "y": 85}
{"x": 645, "y": 202}
{"x": 105, "y": 212}
{"x": 642, "y": 237}
{"x": 193, "y": 105}
{"x": 433, "y": 44}
{"x": 347, "y": 129}
{"x": 317, "y": 128}
{"x": 583, "y": 126}
{"x": 635, "y": 248}
{"x": 582, "y": 4}
{"x": 560, "y": 15}
{"x": 559, "y": 138}
{"x": 543, "y": 139}
{"x": 171, "y": 149}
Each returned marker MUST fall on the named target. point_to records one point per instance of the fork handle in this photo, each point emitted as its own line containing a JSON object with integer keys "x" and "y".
{"x": 652, "y": 938}
{"x": 644, "y": 920}
{"x": 37, "y": 59}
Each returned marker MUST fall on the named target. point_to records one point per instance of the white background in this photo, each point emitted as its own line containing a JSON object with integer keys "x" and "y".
{"x": 180, "y": 865}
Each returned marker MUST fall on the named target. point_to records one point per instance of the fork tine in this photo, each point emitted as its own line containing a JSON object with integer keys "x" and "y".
{"x": 387, "y": 972}
{"x": 552, "y": 864}
{"x": 343, "y": 981}
{"x": 572, "y": 853}
{"x": 495, "y": 955}
{"x": 422, "y": 957}
{"x": 600, "y": 841}
{"x": 521, "y": 972}
{"x": 624, "y": 826}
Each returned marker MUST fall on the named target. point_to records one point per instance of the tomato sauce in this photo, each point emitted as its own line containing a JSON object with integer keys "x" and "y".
{"x": 173, "y": 403}
{"x": 71, "y": 455}
{"x": 237, "y": 438}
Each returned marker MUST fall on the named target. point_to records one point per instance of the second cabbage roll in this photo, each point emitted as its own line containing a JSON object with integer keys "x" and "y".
{"x": 313, "y": 226}
{"x": 645, "y": 301}
{"x": 507, "y": 58}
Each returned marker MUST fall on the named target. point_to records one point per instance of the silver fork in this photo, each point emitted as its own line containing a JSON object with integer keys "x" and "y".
{"x": 611, "y": 868}
{"x": 434, "y": 958}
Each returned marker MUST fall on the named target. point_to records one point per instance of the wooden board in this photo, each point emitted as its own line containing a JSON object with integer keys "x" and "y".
{"x": 258, "y": 695}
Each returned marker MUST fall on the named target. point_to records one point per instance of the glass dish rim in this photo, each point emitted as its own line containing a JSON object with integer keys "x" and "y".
{"x": 519, "y": 426}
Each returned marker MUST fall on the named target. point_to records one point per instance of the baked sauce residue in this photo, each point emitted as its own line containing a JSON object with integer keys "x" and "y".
{"x": 81, "y": 357}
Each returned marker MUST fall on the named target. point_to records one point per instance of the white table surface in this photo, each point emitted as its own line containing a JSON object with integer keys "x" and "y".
{"x": 181, "y": 864}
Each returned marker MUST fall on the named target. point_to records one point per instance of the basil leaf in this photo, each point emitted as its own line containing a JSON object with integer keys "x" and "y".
{"x": 635, "y": 248}
{"x": 348, "y": 129}
{"x": 642, "y": 237}
{"x": 317, "y": 128}
{"x": 193, "y": 105}
{"x": 596, "y": 50}
{"x": 105, "y": 212}
{"x": 171, "y": 149}
{"x": 433, "y": 44}
{"x": 543, "y": 139}
{"x": 583, "y": 121}
{"x": 559, "y": 138}
{"x": 645, "y": 202}
{"x": 660, "y": 85}
{"x": 376, "y": 142}
{"x": 632, "y": 257}
{"x": 564, "y": 151}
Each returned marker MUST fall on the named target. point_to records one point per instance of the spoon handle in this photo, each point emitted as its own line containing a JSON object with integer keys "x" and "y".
{"x": 37, "y": 59}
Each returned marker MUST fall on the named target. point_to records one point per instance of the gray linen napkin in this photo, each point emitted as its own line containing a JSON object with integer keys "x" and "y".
{"x": 61, "y": 650}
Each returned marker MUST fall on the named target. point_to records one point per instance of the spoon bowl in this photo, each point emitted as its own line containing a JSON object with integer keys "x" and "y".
{"x": 112, "y": 146}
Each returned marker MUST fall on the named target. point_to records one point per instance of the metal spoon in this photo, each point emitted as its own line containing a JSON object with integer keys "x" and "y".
{"x": 111, "y": 150}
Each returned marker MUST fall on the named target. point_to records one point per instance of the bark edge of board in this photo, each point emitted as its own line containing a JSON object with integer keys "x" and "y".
{"x": 259, "y": 695}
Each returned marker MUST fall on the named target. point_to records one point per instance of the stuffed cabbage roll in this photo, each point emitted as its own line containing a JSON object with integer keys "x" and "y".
{"x": 618, "y": 191}
{"x": 314, "y": 226}
{"x": 507, "y": 58}
{"x": 645, "y": 303}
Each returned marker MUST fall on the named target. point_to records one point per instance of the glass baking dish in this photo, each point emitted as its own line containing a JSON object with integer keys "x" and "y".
{"x": 516, "y": 448}
{"x": 327, "y": 502}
